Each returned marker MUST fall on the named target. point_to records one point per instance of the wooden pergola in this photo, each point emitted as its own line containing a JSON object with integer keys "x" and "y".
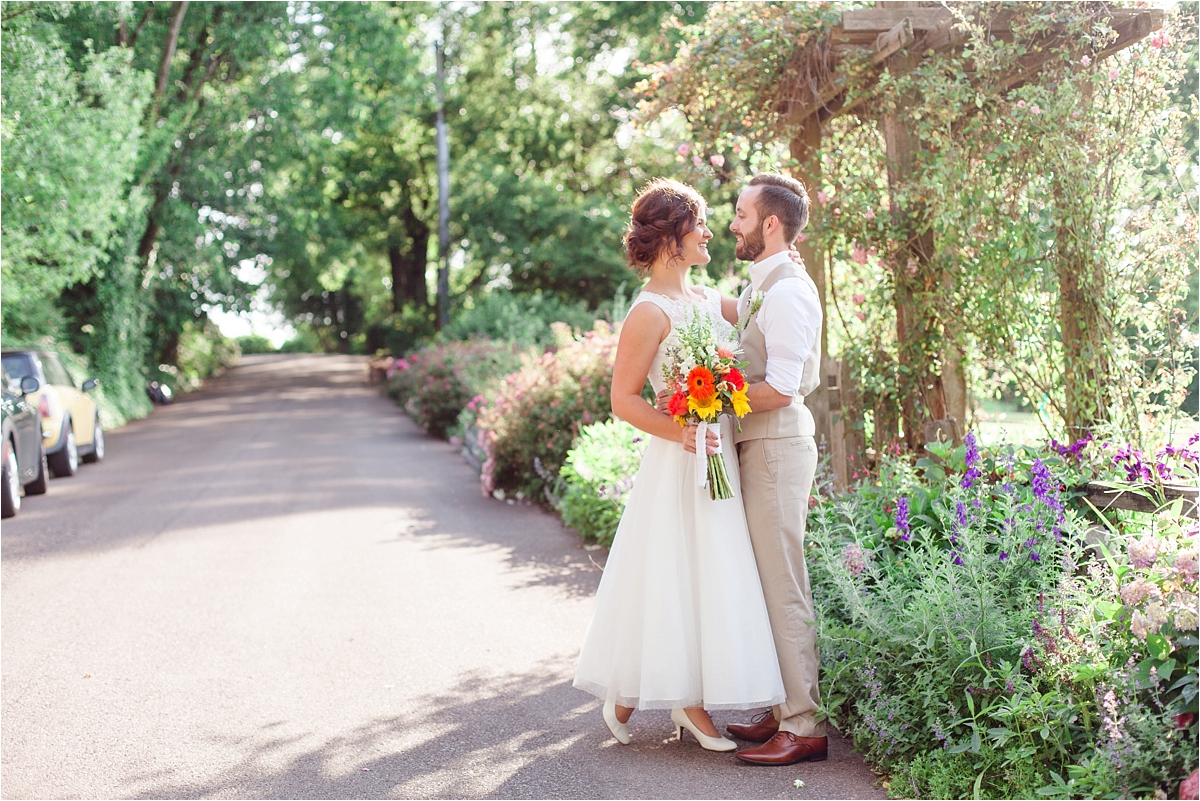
{"x": 896, "y": 37}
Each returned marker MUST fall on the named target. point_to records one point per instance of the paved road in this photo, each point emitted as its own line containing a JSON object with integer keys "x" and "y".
{"x": 279, "y": 588}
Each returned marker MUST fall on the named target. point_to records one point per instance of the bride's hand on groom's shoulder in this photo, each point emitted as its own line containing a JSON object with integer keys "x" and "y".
{"x": 795, "y": 255}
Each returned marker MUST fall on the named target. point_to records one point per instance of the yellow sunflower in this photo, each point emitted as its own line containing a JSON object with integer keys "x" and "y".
{"x": 741, "y": 406}
{"x": 708, "y": 409}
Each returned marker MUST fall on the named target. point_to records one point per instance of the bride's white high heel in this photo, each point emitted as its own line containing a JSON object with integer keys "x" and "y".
{"x": 681, "y": 720}
{"x": 618, "y": 729}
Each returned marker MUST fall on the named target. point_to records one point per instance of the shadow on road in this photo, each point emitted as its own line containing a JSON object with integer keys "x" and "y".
{"x": 544, "y": 739}
{"x": 282, "y": 435}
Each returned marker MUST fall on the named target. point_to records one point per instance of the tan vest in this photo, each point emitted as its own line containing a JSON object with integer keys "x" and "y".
{"x": 790, "y": 421}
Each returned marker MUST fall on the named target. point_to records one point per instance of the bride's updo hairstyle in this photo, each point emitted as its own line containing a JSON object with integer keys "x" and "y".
{"x": 664, "y": 212}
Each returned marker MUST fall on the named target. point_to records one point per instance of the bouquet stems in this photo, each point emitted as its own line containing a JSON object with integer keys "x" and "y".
{"x": 718, "y": 480}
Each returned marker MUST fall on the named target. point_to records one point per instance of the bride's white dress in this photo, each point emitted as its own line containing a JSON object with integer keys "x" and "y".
{"x": 679, "y": 616}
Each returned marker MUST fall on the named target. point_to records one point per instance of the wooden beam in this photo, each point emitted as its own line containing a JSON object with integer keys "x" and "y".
{"x": 898, "y": 38}
{"x": 1131, "y": 27}
{"x": 941, "y": 33}
{"x": 885, "y": 45}
{"x": 881, "y": 19}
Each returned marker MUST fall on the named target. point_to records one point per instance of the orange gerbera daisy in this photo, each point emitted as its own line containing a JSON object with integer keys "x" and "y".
{"x": 701, "y": 384}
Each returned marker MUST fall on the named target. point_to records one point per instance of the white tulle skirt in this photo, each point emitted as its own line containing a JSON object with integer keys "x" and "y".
{"x": 679, "y": 616}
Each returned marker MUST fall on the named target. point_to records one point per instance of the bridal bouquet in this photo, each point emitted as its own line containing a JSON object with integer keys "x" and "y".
{"x": 703, "y": 374}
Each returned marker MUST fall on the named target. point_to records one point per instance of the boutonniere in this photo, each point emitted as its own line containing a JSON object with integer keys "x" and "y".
{"x": 756, "y": 302}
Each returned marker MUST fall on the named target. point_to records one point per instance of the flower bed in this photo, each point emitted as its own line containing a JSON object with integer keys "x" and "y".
{"x": 982, "y": 636}
{"x": 527, "y": 430}
{"x": 435, "y": 384}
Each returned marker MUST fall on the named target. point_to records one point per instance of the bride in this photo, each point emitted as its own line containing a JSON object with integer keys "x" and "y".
{"x": 679, "y": 621}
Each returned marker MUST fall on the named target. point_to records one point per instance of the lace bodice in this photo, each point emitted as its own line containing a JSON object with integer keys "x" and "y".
{"x": 677, "y": 311}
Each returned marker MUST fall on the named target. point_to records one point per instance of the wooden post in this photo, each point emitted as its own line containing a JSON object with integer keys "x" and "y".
{"x": 804, "y": 148}
{"x": 831, "y": 371}
{"x": 921, "y": 392}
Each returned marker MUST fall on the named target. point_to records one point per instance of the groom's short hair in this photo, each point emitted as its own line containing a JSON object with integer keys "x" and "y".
{"x": 786, "y": 198}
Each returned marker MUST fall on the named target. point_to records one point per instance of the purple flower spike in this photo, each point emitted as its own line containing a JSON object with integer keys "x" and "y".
{"x": 1034, "y": 556}
{"x": 902, "y": 519}
{"x": 1003, "y": 556}
{"x": 957, "y": 559}
{"x": 960, "y": 509}
{"x": 972, "y": 459}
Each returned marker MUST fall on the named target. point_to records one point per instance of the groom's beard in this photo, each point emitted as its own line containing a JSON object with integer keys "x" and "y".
{"x": 752, "y": 245}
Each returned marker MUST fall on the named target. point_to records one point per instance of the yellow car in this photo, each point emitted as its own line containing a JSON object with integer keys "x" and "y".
{"x": 71, "y": 430}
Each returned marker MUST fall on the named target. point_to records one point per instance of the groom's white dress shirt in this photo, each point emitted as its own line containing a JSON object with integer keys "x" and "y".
{"x": 790, "y": 321}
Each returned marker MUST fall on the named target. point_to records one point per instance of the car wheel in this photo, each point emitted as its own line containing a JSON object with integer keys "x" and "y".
{"x": 97, "y": 452}
{"x": 10, "y": 482}
{"x": 66, "y": 461}
{"x": 38, "y": 485}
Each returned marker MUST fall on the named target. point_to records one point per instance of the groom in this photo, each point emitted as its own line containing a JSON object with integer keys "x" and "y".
{"x": 778, "y": 455}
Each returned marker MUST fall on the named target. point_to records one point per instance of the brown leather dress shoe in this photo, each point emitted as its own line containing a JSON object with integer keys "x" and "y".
{"x": 786, "y": 748}
{"x": 762, "y": 727}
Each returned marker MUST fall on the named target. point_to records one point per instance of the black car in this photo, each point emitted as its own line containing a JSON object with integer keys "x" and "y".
{"x": 24, "y": 460}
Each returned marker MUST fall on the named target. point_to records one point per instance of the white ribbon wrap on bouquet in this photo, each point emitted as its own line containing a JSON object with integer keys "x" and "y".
{"x": 702, "y": 451}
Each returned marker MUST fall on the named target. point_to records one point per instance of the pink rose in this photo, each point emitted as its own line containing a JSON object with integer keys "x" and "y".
{"x": 870, "y": 213}
{"x": 1086, "y": 60}
{"x": 860, "y": 315}
{"x": 859, "y": 254}
{"x": 1020, "y": 104}
{"x": 683, "y": 149}
{"x": 717, "y": 161}
{"x": 858, "y": 299}
{"x": 1112, "y": 75}
{"x": 1035, "y": 109}
{"x": 697, "y": 161}
{"x": 822, "y": 197}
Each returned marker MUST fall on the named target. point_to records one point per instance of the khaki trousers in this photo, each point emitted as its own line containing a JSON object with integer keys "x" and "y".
{"x": 777, "y": 478}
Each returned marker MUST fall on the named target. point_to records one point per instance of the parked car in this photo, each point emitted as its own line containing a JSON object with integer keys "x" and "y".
{"x": 23, "y": 468}
{"x": 71, "y": 430}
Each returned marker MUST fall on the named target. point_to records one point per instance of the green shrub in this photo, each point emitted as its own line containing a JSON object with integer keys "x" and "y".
{"x": 538, "y": 411}
{"x": 524, "y": 319}
{"x": 597, "y": 477}
{"x": 436, "y": 383}
{"x": 203, "y": 352}
{"x": 401, "y": 332}
{"x": 255, "y": 343}
{"x": 305, "y": 341}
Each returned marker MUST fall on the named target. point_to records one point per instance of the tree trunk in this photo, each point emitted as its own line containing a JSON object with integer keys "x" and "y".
{"x": 178, "y": 9}
{"x": 196, "y": 59}
{"x": 409, "y": 264}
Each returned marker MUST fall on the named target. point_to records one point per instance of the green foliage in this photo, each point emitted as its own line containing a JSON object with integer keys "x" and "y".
{"x": 435, "y": 384}
{"x": 522, "y": 319}
{"x": 538, "y": 411}
{"x": 71, "y": 134}
{"x": 597, "y": 477}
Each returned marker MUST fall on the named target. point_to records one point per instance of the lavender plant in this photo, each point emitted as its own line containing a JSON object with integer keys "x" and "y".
{"x": 973, "y": 623}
